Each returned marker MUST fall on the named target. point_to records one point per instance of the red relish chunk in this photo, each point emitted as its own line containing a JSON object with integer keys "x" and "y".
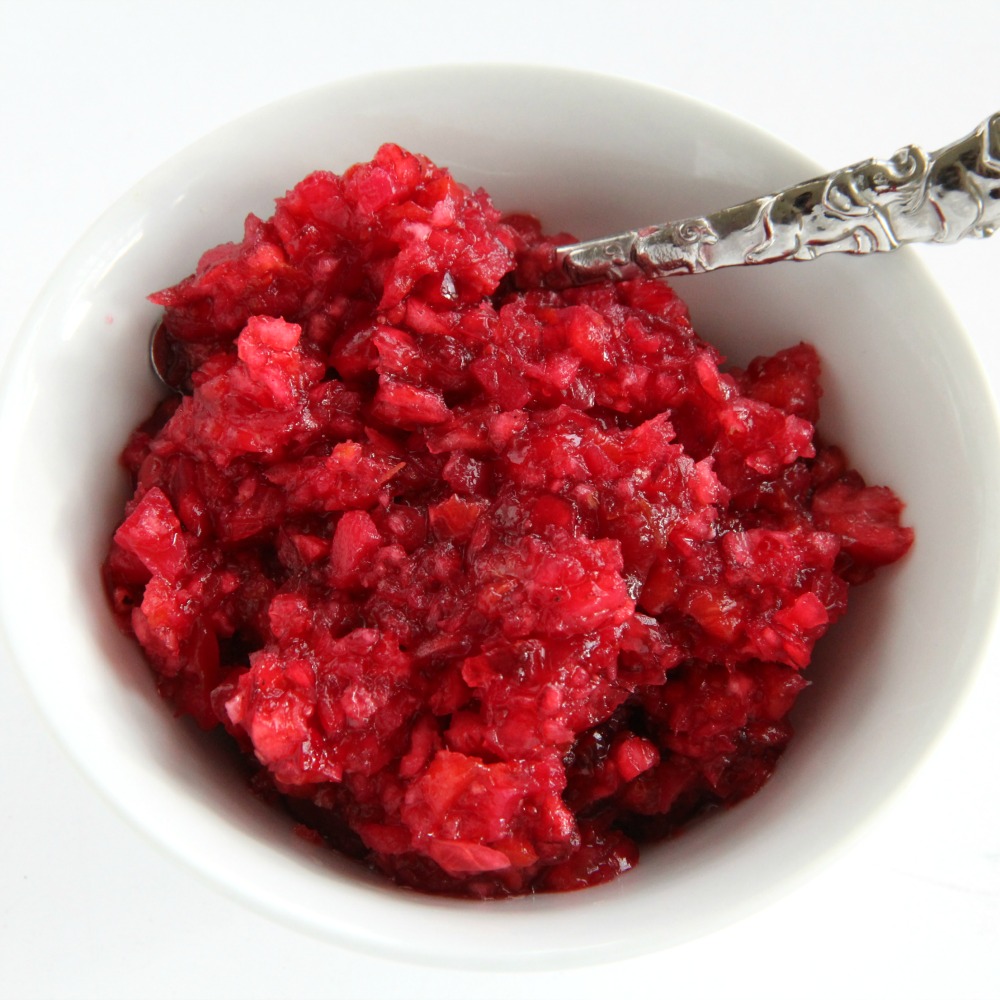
{"x": 491, "y": 585}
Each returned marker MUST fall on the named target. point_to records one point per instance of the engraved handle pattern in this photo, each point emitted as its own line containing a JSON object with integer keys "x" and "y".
{"x": 869, "y": 207}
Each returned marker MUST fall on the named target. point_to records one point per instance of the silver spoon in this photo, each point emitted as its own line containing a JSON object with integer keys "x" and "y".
{"x": 869, "y": 207}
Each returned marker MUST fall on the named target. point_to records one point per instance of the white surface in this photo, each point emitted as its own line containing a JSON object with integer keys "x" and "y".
{"x": 96, "y": 95}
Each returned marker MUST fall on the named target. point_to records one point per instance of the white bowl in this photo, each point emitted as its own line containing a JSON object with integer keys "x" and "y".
{"x": 592, "y": 155}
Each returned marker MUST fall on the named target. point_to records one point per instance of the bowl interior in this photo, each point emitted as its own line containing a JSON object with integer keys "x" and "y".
{"x": 903, "y": 394}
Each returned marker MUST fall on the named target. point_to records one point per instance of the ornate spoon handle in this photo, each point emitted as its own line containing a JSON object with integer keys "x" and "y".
{"x": 868, "y": 207}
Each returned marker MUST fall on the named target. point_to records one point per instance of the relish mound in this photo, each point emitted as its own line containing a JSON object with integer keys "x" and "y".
{"x": 491, "y": 585}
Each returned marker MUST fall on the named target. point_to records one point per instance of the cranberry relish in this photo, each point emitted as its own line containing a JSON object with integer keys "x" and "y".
{"x": 491, "y": 585}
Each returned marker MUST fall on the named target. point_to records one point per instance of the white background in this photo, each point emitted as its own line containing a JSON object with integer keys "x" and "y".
{"x": 93, "y": 95}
